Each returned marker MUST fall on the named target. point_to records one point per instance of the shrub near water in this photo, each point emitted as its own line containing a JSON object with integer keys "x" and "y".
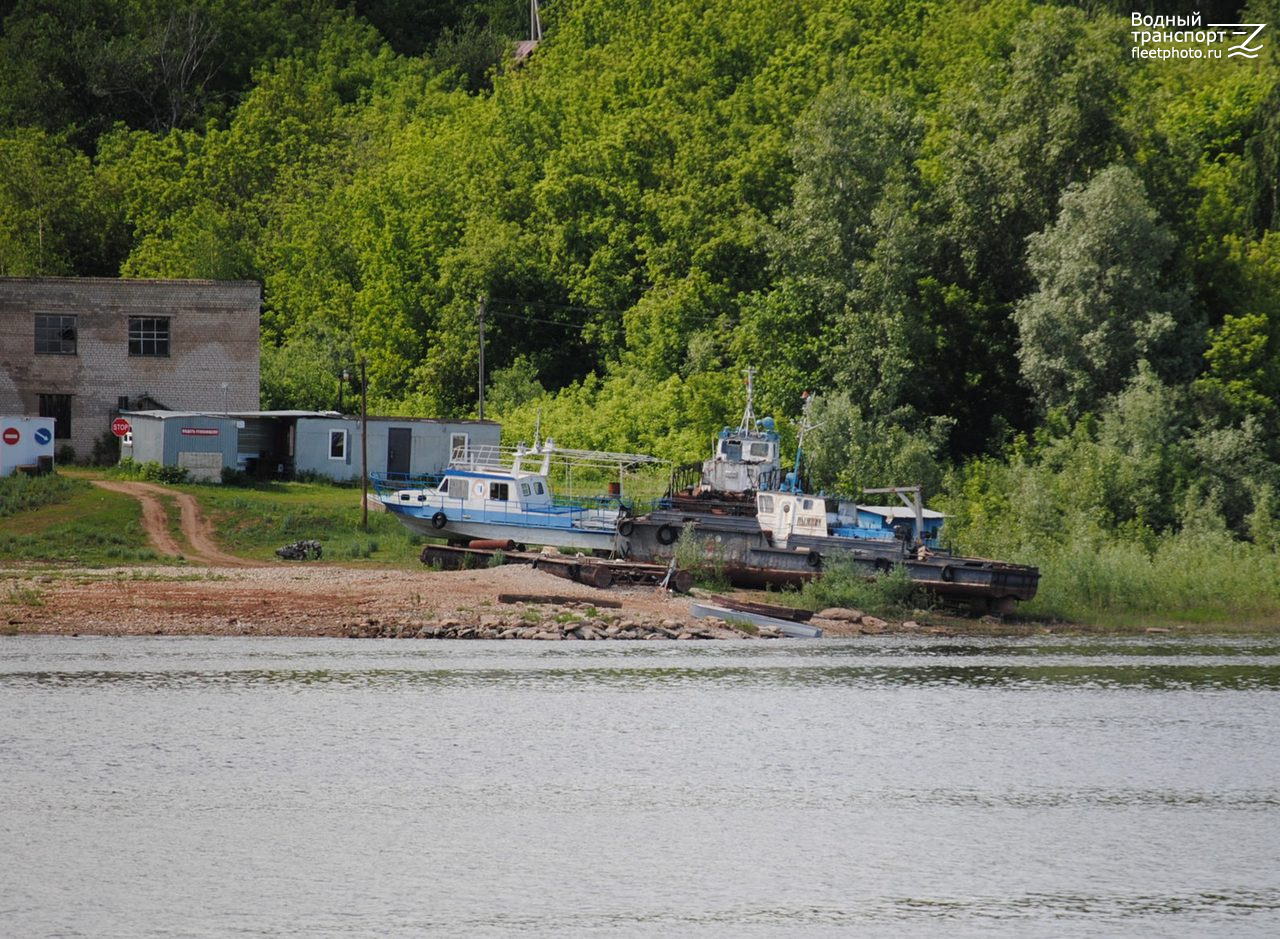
{"x": 843, "y": 585}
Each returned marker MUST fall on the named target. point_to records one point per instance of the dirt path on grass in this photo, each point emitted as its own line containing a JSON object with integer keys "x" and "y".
{"x": 196, "y": 529}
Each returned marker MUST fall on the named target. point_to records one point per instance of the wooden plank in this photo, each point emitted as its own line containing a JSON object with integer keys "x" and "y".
{"x": 551, "y": 598}
{"x": 764, "y": 609}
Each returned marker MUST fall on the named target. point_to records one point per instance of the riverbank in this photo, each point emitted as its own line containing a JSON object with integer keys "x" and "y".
{"x": 310, "y": 599}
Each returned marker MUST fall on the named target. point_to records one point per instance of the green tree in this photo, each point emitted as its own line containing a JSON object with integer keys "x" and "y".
{"x": 1103, "y": 300}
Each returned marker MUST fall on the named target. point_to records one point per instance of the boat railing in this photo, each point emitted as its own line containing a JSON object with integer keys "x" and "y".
{"x": 394, "y": 482}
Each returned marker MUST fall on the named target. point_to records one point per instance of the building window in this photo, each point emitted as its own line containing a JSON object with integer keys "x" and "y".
{"x": 59, "y": 408}
{"x": 55, "y": 335}
{"x": 149, "y": 335}
{"x": 457, "y": 447}
{"x": 337, "y": 444}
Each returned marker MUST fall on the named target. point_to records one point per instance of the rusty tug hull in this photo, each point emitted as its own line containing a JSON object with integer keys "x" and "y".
{"x": 750, "y": 557}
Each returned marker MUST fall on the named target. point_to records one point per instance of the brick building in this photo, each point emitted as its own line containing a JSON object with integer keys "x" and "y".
{"x": 82, "y": 349}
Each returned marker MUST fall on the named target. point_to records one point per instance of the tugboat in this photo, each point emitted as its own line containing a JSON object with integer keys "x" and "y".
{"x": 743, "y": 460}
{"x": 787, "y": 536}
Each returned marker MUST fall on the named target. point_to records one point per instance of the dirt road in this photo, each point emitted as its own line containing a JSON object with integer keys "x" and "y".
{"x": 197, "y": 531}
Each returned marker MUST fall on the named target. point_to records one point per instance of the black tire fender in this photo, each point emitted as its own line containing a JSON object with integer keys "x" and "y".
{"x": 948, "y": 573}
{"x": 626, "y": 526}
{"x": 884, "y": 565}
{"x": 439, "y": 520}
{"x": 814, "y": 560}
{"x": 667, "y": 535}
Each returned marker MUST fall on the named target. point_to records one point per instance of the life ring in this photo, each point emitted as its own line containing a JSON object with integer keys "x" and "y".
{"x": 439, "y": 520}
{"x": 626, "y": 526}
{"x": 667, "y": 535}
{"x": 813, "y": 559}
{"x": 948, "y": 573}
{"x": 883, "y": 565}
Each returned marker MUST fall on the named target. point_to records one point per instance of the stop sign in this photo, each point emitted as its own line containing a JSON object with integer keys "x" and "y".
{"x": 11, "y": 435}
{"x": 120, "y": 427}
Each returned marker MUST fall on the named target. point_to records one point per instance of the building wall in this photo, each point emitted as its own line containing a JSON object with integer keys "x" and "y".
{"x": 429, "y": 453}
{"x": 213, "y": 339}
{"x": 171, "y": 440}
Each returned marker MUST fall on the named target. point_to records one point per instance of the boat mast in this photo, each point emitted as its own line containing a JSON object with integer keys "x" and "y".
{"x": 748, "y": 414}
{"x": 792, "y": 482}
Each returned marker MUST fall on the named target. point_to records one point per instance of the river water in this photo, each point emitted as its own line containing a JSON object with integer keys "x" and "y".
{"x": 877, "y": 787}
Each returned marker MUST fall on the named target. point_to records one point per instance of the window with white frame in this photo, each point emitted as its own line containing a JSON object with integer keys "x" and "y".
{"x": 458, "y": 444}
{"x": 337, "y": 444}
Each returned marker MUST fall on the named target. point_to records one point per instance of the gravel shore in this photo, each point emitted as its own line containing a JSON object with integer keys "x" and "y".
{"x": 312, "y": 599}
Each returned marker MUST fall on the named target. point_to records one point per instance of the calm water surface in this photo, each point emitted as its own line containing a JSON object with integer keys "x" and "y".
{"x": 268, "y": 787}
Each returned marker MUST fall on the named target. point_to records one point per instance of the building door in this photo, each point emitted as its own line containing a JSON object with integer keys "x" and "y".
{"x": 399, "y": 449}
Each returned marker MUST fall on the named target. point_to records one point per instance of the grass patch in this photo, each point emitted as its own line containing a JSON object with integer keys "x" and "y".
{"x": 1189, "y": 578}
{"x": 23, "y": 595}
{"x": 90, "y": 527}
{"x": 22, "y": 493}
{"x": 253, "y": 521}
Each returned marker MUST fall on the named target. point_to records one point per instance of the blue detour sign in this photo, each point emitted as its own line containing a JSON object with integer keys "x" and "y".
{"x": 43, "y": 435}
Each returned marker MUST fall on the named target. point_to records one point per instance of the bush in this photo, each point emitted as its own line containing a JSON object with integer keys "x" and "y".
{"x": 702, "y": 557}
{"x": 150, "y": 471}
{"x": 843, "y": 584}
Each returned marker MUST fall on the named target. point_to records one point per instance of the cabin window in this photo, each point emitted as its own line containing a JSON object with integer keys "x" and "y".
{"x": 537, "y": 487}
{"x": 732, "y": 449}
{"x": 766, "y": 504}
{"x": 807, "y": 504}
{"x": 525, "y": 490}
{"x": 457, "y": 488}
{"x": 337, "y": 444}
{"x": 760, "y": 450}
{"x": 498, "y": 492}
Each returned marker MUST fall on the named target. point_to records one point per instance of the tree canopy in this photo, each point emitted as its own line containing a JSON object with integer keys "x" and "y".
{"x": 982, "y": 232}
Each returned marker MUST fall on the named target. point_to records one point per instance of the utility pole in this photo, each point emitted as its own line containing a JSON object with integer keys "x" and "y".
{"x": 364, "y": 448}
{"x": 481, "y": 314}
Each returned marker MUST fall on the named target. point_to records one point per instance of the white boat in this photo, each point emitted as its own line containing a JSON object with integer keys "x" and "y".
{"x": 489, "y": 494}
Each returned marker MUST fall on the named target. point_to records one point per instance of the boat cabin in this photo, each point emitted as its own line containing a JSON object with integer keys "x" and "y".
{"x": 887, "y": 523}
{"x": 784, "y": 514}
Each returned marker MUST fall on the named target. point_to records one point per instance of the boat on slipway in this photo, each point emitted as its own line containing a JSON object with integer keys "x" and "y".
{"x": 788, "y": 536}
{"x": 496, "y": 494}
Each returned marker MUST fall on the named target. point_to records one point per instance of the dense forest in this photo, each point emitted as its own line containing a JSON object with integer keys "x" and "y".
{"x": 1016, "y": 263}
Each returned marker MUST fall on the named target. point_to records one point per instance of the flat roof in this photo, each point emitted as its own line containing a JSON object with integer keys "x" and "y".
{"x": 320, "y": 415}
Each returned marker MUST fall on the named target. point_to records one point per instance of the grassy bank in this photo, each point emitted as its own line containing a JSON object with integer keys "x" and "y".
{"x": 64, "y": 519}
{"x": 1204, "y": 578}
{"x": 254, "y": 522}
{"x": 74, "y": 522}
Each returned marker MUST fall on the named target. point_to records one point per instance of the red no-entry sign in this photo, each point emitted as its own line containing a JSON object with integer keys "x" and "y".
{"x": 11, "y": 435}
{"x": 120, "y": 427}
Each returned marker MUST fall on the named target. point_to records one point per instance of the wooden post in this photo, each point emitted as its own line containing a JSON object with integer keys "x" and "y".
{"x": 364, "y": 447}
{"x": 480, "y": 409}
